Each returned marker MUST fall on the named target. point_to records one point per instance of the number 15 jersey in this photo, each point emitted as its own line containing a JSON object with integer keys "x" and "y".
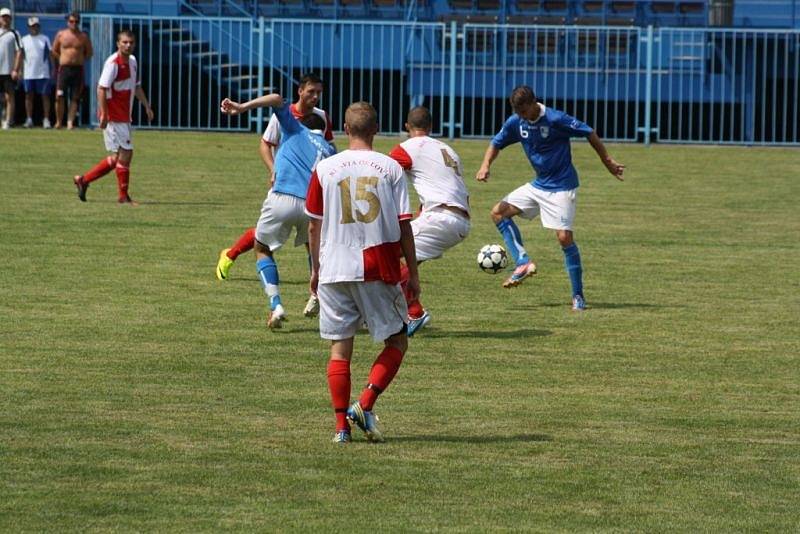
{"x": 361, "y": 196}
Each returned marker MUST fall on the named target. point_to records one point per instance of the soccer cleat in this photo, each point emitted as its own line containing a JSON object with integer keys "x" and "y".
{"x": 365, "y": 420}
{"x": 81, "y": 186}
{"x": 418, "y": 323}
{"x": 223, "y": 265}
{"x": 578, "y": 303}
{"x": 520, "y": 273}
{"x": 312, "y": 307}
{"x": 127, "y": 201}
{"x": 276, "y": 318}
{"x": 342, "y": 436}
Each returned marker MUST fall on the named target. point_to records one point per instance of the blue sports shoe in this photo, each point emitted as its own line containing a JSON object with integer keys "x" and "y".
{"x": 342, "y": 436}
{"x": 416, "y": 324}
{"x": 365, "y": 420}
{"x": 520, "y": 273}
{"x": 578, "y": 303}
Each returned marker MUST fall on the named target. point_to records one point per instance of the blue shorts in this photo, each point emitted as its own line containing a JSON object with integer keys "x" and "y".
{"x": 40, "y": 87}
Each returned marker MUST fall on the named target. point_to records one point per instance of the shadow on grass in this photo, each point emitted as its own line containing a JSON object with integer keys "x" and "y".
{"x": 178, "y": 203}
{"x": 599, "y": 306}
{"x": 473, "y": 439}
{"x": 434, "y": 333}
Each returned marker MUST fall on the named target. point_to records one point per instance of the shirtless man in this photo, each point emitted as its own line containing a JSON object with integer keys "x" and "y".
{"x": 71, "y": 48}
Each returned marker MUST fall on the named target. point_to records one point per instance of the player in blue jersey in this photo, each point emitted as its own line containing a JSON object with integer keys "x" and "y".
{"x": 303, "y": 145}
{"x": 545, "y": 137}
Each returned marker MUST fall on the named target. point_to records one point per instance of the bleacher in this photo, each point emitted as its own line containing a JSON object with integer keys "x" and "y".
{"x": 659, "y": 13}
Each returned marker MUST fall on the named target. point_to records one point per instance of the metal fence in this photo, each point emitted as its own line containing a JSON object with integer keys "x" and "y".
{"x": 632, "y": 84}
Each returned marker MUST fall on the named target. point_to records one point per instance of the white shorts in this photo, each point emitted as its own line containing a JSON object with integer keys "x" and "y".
{"x": 556, "y": 208}
{"x": 436, "y": 230}
{"x": 117, "y": 135}
{"x": 279, "y": 214}
{"x": 345, "y": 306}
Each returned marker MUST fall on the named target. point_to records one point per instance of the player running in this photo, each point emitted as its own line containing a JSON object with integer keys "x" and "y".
{"x": 435, "y": 171}
{"x": 303, "y": 146}
{"x": 309, "y": 92}
{"x": 119, "y": 83}
{"x": 360, "y": 226}
{"x": 545, "y": 136}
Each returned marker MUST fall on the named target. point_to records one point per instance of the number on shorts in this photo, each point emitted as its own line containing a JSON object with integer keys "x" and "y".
{"x": 361, "y": 194}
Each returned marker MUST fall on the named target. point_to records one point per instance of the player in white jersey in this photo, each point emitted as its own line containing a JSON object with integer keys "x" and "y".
{"x": 360, "y": 227}
{"x": 435, "y": 171}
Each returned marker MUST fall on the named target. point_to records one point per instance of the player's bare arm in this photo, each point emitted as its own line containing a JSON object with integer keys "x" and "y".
{"x": 314, "y": 232}
{"x": 491, "y": 154}
{"x": 17, "y": 68}
{"x": 409, "y": 253}
{"x": 88, "y": 51}
{"x": 55, "y": 53}
{"x": 230, "y": 107}
{"x": 102, "y": 105}
{"x": 268, "y": 157}
{"x": 616, "y": 169}
{"x": 142, "y": 97}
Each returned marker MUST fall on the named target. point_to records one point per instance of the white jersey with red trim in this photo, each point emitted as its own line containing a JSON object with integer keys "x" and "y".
{"x": 119, "y": 79}
{"x": 361, "y": 196}
{"x": 435, "y": 171}
{"x": 272, "y": 133}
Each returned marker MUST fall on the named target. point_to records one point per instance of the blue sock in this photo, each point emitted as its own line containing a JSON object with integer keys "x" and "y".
{"x": 268, "y": 274}
{"x": 513, "y": 238}
{"x": 572, "y": 262}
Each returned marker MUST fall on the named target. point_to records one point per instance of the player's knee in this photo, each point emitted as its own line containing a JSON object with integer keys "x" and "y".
{"x": 398, "y": 341}
{"x": 497, "y": 213}
{"x": 564, "y": 238}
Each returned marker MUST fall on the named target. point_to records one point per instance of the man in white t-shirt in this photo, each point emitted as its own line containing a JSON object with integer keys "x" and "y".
{"x": 435, "y": 170}
{"x": 10, "y": 64}
{"x": 119, "y": 83}
{"x": 360, "y": 227}
{"x": 36, "y": 78}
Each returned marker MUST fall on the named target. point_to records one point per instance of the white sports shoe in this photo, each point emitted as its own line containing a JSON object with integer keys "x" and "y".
{"x": 312, "y": 307}
{"x": 28, "y": 123}
{"x": 5, "y": 125}
{"x": 276, "y": 318}
{"x": 46, "y": 124}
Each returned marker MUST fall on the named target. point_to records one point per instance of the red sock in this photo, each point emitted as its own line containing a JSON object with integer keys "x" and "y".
{"x": 380, "y": 376}
{"x": 98, "y": 171}
{"x": 243, "y": 244}
{"x": 415, "y": 309}
{"x": 339, "y": 386}
{"x": 123, "y": 177}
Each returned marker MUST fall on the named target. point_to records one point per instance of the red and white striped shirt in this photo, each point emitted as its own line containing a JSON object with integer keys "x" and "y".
{"x": 119, "y": 79}
{"x": 361, "y": 196}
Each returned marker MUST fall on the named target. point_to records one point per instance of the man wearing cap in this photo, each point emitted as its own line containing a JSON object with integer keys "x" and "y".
{"x": 10, "y": 63}
{"x": 71, "y": 48}
{"x": 36, "y": 53}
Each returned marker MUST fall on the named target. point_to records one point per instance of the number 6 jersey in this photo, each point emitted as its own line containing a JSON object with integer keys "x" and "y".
{"x": 361, "y": 196}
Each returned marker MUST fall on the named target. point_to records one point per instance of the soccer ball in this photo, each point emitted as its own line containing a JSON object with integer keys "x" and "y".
{"x": 492, "y": 259}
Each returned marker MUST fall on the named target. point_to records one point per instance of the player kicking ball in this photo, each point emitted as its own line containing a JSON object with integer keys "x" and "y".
{"x": 545, "y": 137}
{"x": 303, "y": 145}
{"x": 117, "y": 86}
{"x": 360, "y": 227}
{"x": 435, "y": 171}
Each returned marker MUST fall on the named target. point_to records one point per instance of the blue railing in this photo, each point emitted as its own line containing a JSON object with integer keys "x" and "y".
{"x": 683, "y": 85}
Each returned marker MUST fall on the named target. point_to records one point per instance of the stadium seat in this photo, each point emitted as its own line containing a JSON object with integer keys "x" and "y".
{"x": 527, "y": 5}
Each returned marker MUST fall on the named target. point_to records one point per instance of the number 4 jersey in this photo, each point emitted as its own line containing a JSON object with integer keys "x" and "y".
{"x": 361, "y": 196}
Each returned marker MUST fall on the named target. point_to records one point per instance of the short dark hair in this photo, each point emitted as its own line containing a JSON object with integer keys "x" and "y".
{"x": 73, "y": 15}
{"x": 313, "y": 122}
{"x": 521, "y": 97}
{"x": 127, "y": 33}
{"x": 419, "y": 118}
{"x": 307, "y": 78}
{"x": 361, "y": 120}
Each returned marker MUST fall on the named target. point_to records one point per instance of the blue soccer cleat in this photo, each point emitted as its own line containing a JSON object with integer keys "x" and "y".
{"x": 365, "y": 420}
{"x": 578, "y": 303}
{"x": 342, "y": 436}
{"x": 416, "y": 324}
{"x": 520, "y": 273}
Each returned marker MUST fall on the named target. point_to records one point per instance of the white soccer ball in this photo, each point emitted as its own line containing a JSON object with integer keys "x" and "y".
{"x": 492, "y": 259}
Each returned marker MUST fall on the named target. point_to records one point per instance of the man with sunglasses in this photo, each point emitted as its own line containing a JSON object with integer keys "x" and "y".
{"x": 71, "y": 48}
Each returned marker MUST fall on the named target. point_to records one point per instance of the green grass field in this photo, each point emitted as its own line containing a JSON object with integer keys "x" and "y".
{"x": 138, "y": 393}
